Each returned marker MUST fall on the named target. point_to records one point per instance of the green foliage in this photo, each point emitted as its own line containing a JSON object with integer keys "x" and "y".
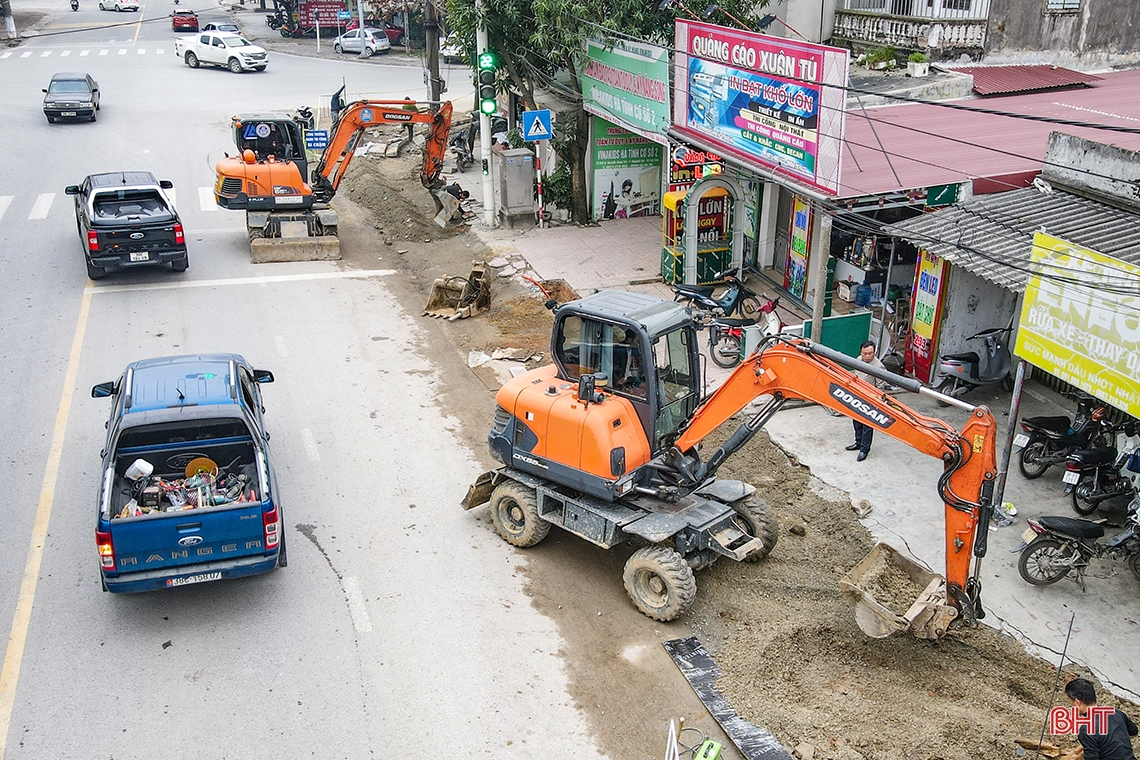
{"x": 515, "y": 138}
{"x": 880, "y": 55}
{"x": 557, "y": 189}
{"x": 919, "y": 58}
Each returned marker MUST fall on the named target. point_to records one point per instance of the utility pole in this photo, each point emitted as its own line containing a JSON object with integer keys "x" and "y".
{"x": 9, "y": 22}
{"x": 431, "y": 27}
{"x": 485, "y": 131}
{"x": 361, "y": 32}
{"x": 819, "y": 263}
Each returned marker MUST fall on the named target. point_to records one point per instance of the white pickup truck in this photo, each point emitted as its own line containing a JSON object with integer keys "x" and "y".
{"x": 221, "y": 49}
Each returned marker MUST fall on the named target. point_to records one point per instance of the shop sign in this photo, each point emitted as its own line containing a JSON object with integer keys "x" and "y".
{"x": 689, "y": 166}
{"x": 768, "y": 100}
{"x": 1077, "y": 324}
{"x": 799, "y": 244}
{"x": 325, "y": 11}
{"x": 929, "y": 289}
{"x": 627, "y": 173}
{"x": 628, "y": 83}
{"x": 942, "y": 195}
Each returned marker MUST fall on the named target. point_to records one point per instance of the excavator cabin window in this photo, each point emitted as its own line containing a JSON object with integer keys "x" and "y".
{"x": 677, "y": 381}
{"x": 586, "y": 346}
{"x": 267, "y": 138}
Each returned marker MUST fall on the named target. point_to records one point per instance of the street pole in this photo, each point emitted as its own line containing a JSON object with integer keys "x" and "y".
{"x": 360, "y": 14}
{"x": 819, "y": 262}
{"x": 484, "y": 130}
{"x": 317, "y": 21}
{"x": 431, "y": 28}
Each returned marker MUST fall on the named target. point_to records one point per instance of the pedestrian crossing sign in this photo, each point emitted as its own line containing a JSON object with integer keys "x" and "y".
{"x": 537, "y": 125}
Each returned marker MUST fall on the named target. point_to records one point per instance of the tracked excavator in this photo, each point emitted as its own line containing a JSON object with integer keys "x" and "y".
{"x": 604, "y": 443}
{"x": 287, "y": 217}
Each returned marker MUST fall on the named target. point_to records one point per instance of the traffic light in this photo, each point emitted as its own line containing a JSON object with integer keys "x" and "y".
{"x": 486, "y": 82}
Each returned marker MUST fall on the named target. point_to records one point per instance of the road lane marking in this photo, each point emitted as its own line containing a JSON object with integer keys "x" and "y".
{"x": 65, "y": 53}
{"x": 83, "y": 53}
{"x": 142, "y": 51}
{"x": 42, "y": 206}
{"x": 282, "y": 349}
{"x": 21, "y": 618}
{"x": 138, "y": 25}
{"x": 363, "y": 274}
{"x": 159, "y": 51}
{"x": 356, "y": 608}
{"x": 26, "y": 55}
{"x": 310, "y": 444}
{"x": 122, "y": 51}
{"x": 6, "y": 55}
{"x": 173, "y": 198}
{"x": 5, "y": 202}
{"x": 206, "y": 199}
{"x": 102, "y": 52}
{"x": 45, "y": 54}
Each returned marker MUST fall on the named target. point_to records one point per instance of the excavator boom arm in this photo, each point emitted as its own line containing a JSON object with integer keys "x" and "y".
{"x": 799, "y": 369}
{"x": 362, "y": 114}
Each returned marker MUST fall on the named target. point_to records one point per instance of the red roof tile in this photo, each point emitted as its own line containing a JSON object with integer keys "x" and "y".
{"x": 996, "y": 80}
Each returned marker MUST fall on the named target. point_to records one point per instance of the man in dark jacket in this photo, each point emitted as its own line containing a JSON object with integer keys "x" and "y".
{"x": 1109, "y": 740}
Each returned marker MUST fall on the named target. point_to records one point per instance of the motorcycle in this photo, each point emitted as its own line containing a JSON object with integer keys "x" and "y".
{"x": 960, "y": 373}
{"x": 726, "y": 335}
{"x": 273, "y": 22}
{"x": 735, "y": 299}
{"x": 1049, "y": 440}
{"x": 74, "y": 5}
{"x": 463, "y": 143}
{"x": 1096, "y": 475}
{"x": 1052, "y": 547}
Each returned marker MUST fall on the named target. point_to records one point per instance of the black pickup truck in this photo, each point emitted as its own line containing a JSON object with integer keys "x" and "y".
{"x": 125, "y": 220}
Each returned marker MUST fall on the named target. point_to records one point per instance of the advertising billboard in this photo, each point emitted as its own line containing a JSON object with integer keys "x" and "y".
{"x": 1080, "y": 320}
{"x": 763, "y": 99}
{"x": 627, "y": 173}
{"x": 799, "y": 245}
{"x": 929, "y": 291}
{"x": 628, "y": 83}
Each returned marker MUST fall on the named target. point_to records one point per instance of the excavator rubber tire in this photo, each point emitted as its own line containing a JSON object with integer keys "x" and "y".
{"x": 760, "y": 522}
{"x": 659, "y": 582}
{"x": 514, "y": 512}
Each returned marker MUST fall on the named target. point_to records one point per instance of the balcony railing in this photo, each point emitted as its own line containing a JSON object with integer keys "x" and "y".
{"x": 936, "y": 24}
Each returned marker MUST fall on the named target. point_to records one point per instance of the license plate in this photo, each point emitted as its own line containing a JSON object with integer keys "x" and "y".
{"x": 67, "y": 113}
{"x": 1021, "y": 440}
{"x": 1028, "y": 535}
{"x": 194, "y": 579}
{"x": 140, "y": 256}
{"x": 1071, "y": 476}
{"x": 288, "y": 200}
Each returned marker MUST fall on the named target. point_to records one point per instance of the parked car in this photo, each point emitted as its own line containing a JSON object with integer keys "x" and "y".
{"x": 395, "y": 34}
{"x": 125, "y": 220}
{"x": 224, "y": 27}
{"x": 187, "y": 492}
{"x": 221, "y": 49}
{"x": 184, "y": 21}
{"x": 451, "y": 51}
{"x": 71, "y": 96}
{"x": 350, "y": 42}
{"x": 118, "y": 5}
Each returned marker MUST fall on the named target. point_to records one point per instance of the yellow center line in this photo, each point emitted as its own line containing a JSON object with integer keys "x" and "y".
{"x": 18, "y": 636}
{"x": 138, "y": 24}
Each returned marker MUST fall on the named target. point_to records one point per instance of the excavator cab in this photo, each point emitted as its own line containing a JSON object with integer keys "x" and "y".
{"x": 275, "y": 134}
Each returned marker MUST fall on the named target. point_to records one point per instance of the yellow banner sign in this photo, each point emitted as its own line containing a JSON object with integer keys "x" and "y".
{"x": 1080, "y": 320}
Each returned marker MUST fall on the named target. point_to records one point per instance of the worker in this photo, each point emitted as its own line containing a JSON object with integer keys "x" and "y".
{"x": 410, "y": 107}
{"x": 629, "y": 376}
{"x": 448, "y": 201}
{"x": 337, "y": 104}
{"x": 865, "y": 433}
{"x": 1104, "y": 742}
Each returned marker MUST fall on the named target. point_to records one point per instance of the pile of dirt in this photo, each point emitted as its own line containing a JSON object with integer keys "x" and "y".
{"x": 795, "y": 662}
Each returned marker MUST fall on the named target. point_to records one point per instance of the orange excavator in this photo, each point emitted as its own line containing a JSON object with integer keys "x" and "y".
{"x": 268, "y": 177}
{"x": 605, "y": 444}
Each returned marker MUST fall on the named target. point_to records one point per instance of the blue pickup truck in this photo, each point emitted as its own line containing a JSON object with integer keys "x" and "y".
{"x": 187, "y": 492}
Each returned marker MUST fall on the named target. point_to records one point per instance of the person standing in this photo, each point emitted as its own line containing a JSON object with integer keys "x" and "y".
{"x": 1105, "y": 742}
{"x": 865, "y": 433}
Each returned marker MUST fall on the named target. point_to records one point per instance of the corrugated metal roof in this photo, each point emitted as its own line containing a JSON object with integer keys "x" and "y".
{"x": 997, "y": 80}
{"x": 997, "y": 231}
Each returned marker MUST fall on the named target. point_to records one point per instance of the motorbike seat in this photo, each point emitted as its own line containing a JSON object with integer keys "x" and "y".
{"x": 969, "y": 356}
{"x": 704, "y": 291}
{"x": 1093, "y": 457}
{"x": 735, "y": 322}
{"x": 1055, "y": 424}
{"x": 1070, "y": 526}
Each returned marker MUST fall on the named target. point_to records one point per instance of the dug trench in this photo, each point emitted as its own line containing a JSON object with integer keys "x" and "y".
{"x": 792, "y": 657}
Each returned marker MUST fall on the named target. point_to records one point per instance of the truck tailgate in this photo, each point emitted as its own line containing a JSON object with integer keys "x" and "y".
{"x": 175, "y": 539}
{"x": 142, "y": 237}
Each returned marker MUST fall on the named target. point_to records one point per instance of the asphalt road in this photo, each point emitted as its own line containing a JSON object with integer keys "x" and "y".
{"x": 400, "y": 626}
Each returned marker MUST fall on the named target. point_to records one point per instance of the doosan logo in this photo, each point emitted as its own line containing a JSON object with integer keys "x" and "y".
{"x": 867, "y": 411}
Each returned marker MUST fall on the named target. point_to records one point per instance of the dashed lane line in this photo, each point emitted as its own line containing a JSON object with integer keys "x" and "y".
{"x": 5, "y": 202}
{"x": 206, "y": 199}
{"x": 42, "y": 206}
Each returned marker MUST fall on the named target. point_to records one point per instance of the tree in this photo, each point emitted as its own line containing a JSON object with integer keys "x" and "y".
{"x": 539, "y": 41}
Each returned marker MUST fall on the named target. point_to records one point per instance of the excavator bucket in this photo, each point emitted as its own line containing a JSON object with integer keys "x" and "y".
{"x": 460, "y": 297}
{"x": 892, "y": 593}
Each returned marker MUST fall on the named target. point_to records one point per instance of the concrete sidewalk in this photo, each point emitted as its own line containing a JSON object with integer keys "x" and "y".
{"x": 898, "y": 481}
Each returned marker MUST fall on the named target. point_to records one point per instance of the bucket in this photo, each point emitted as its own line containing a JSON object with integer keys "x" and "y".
{"x": 863, "y": 295}
{"x": 140, "y": 468}
{"x": 892, "y": 593}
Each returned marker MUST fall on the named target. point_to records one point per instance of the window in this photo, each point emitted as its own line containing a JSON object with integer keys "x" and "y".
{"x": 677, "y": 385}
{"x": 955, "y": 5}
{"x": 1062, "y": 5}
{"x": 130, "y": 205}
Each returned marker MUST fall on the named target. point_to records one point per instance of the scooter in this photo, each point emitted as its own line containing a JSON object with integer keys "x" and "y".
{"x": 1096, "y": 475}
{"x": 463, "y": 143}
{"x": 1047, "y": 441}
{"x": 960, "y": 373}
{"x": 75, "y": 4}
{"x": 735, "y": 299}
{"x": 727, "y": 335}
{"x": 1052, "y": 547}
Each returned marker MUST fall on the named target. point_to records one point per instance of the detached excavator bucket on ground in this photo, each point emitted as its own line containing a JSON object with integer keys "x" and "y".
{"x": 892, "y": 594}
{"x": 455, "y": 297}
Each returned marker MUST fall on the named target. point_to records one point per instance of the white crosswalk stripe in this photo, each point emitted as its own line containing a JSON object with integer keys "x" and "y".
{"x": 122, "y": 51}
{"x": 160, "y": 51}
{"x": 102, "y": 52}
{"x": 28, "y": 54}
{"x": 5, "y": 202}
{"x": 65, "y": 53}
{"x": 206, "y": 199}
{"x": 45, "y": 54}
{"x": 83, "y": 53}
{"x": 6, "y": 55}
{"x": 142, "y": 51}
{"x": 42, "y": 205}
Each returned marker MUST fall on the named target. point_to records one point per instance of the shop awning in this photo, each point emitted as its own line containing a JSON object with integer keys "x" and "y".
{"x": 991, "y": 236}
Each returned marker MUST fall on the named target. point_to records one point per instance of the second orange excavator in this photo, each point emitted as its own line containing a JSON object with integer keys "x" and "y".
{"x": 287, "y": 211}
{"x": 604, "y": 443}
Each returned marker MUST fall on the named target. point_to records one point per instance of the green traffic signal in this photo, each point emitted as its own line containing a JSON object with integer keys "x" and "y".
{"x": 486, "y": 82}
{"x": 487, "y": 60}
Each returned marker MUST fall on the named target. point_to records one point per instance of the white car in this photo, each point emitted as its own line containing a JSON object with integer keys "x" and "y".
{"x": 232, "y": 51}
{"x": 350, "y": 42}
{"x": 228, "y": 28}
{"x": 451, "y": 51}
{"x": 118, "y": 5}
